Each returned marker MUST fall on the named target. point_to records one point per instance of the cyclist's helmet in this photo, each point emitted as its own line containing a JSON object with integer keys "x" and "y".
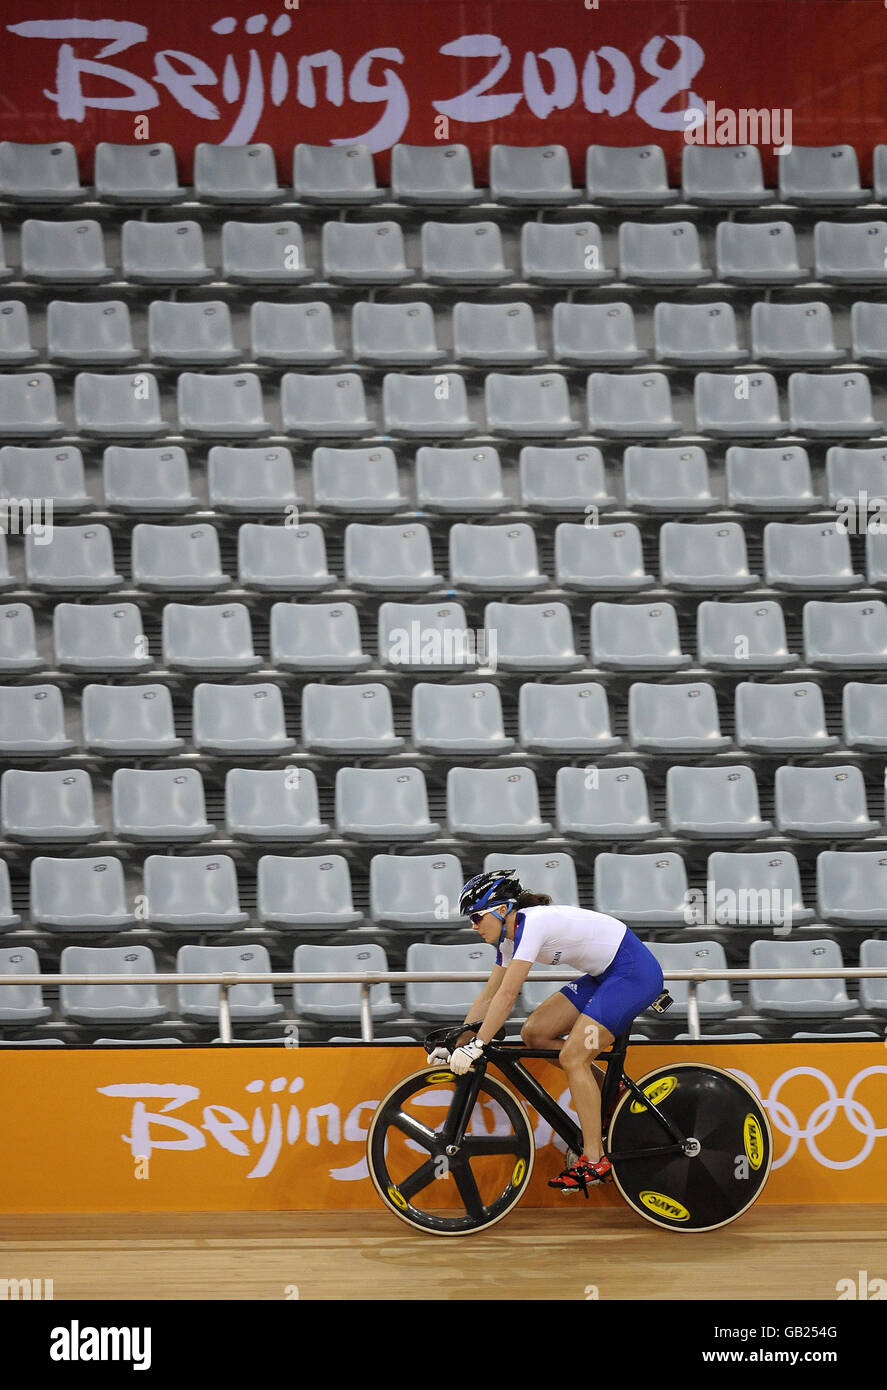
{"x": 489, "y": 890}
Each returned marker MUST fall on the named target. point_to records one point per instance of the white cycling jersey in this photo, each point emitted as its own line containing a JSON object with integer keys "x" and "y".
{"x": 554, "y": 935}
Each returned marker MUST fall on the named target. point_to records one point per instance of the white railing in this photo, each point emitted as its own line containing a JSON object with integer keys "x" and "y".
{"x": 367, "y": 979}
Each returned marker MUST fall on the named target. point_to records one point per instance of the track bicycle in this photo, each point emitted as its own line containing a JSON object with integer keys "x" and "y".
{"x": 689, "y": 1144}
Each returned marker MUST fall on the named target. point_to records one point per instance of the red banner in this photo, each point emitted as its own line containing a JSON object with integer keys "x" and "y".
{"x": 574, "y": 72}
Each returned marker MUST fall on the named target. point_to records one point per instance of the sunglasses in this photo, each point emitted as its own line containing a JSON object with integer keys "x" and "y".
{"x": 475, "y": 917}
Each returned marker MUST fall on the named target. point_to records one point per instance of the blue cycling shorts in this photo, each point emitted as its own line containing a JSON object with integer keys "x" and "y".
{"x": 630, "y": 983}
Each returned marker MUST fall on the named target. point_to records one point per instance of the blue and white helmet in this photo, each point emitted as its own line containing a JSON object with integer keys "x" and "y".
{"x": 489, "y": 890}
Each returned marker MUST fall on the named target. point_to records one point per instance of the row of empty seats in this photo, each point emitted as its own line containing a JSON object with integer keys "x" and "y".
{"x": 443, "y": 173}
{"x": 169, "y": 805}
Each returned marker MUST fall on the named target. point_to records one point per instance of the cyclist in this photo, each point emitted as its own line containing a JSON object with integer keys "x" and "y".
{"x": 621, "y": 977}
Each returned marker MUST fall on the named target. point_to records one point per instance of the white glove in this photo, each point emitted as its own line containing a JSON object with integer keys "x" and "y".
{"x": 461, "y": 1060}
{"x": 438, "y": 1057}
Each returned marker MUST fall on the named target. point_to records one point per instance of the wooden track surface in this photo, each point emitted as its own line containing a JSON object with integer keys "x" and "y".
{"x": 772, "y": 1252}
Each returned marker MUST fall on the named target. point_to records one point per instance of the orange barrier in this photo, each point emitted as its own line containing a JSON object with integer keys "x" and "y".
{"x": 232, "y": 1130}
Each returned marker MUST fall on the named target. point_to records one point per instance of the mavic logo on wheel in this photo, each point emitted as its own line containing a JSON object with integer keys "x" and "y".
{"x": 655, "y": 1093}
{"x": 440, "y": 1076}
{"x": 397, "y": 1198}
{"x": 664, "y": 1206}
{"x": 517, "y": 1176}
{"x": 753, "y": 1141}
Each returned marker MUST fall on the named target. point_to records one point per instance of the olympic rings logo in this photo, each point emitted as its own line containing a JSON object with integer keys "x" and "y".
{"x": 786, "y": 1122}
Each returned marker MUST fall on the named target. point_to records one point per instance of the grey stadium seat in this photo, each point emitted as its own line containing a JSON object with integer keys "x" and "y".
{"x": 334, "y": 404}
{"x": 822, "y": 801}
{"x": 18, "y": 639}
{"x": 129, "y": 719}
{"x": 840, "y": 635}
{"x": 192, "y": 891}
{"x": 661, "y": 253}
{"x": 78, "y": 894}
{"x": 755, "y": 889}
{"x": 172, "y": 558}
{"x": 521, "y": 406}
{"x": 435, "y": 406}
{"x": 164, "y": 253}
{"x": 28, "y": 405}
{"x": 531, "y": 637}
{"x": 704, "y": 556}
{"x": 305, "y": 891}
{"x": 793, "y": 334}
{"x": 494, "y": 557}
{"x": 21, "y": 1003}
{"x": 276, "y": 558}
{"x": 6, "y": 271}
{"x": 364, "y": 253}
{"x": 82, "y": 334}
{"x": 215, "y": 637}
{"x": 714, "y": 802}
{"x": 553, "y": 873}
{"x": 293, "y": 334}
{"x": 757, "y": 253}
{"x": 425, "y": 637}
{"x": 277, "y": 805}
{"x": 39, "y": 173}
{"x": 244, "y": 479}
{"x": 824, "y": 403}
{"x": 235, "y": 174}
{"x": 47, "y": 806}
{"x": 674, "y": 718}
{"x": 819, "y": 174}
{"x": 459, "y": 480}
{"x": 448, "y": 1000}
{"x": 606, "y": 803}
{"x": 666, "y": 479}
{"x": 122, "y": 405}
{"x": 865, "y": 715}
{"x": 136, "y": 173}
{"x": 239, "y": 719}
{"x": 335, "y": 1001}
{"x": 868, "y": 332}
{"x": 63, "y": 252}
{"x": 572, "y": 718}
{"x": 316, "y": 637}
{"x": 879, "y": 172}
{"x": 850, "y": 252}
{"x": 165, "y": 804}
{"x": 99, "y": 638}
{"x": 563, "y": 479}
{"x": 8, "y": 918}
{"x": 32, "y": 721}
{"x": 641, "y": 887}
{"x": 389, "y": 557}
{"x": 348, "y": 719}
{"x": 334, "y": 174}
{"x": 850, "y": 887}
{"x": 416, "y": 890}
{"x": 742, "y": 636}
{"x": 383, "y": 804}
{"x": 632, "y": 174}
{"x": 395, "y": 335}
{"x": 873, "y": 992}
{"x": 247, "y": 1003}
{"x": 691, "y": 334}
{"x": 723, "y": 177}
{"x": 16, "y": 348}
{"x": 73, "y": 557}
{"x": 714, "y": 997}
{"x": 264, "y": 253}
{"x": 500, "y": 803}
{"x": 624, "y": 404}
{"x": 211, "y": 405}
{"x": 595, "y": 335}
{"x": 740, "y": 403}
{"x": 116, "y": 1003}
{"x": 769, "y": 479}
{"x": 531, "y": 174}
{"x": 495, "y": 335}
{"x": 600, "y": 558}
{"x": 782, "y": 718}
{"x": 458, "y": 719}
{"x": 432, "y": 174}
{"x": 7, "y": 580}
{"x": 463, "y": 253}
{"x": 798, "y": 998}
{"x": 635, "y": 636}
{"x": 815, "y": 556}
{"x": 356, "y": 480}
{"x": 191, "y": 334}
{"x": 147, "y": 479}
{"x": 54, "y": 474}
{"x": 563, "y": 253}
